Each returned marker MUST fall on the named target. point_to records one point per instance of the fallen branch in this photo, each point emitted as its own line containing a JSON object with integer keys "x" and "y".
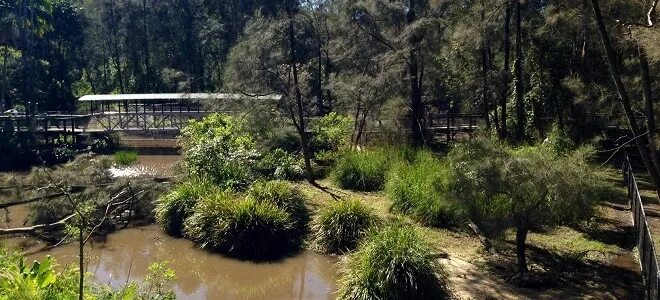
{"x": 488, "y": 246}
{"x": 20, "y": 202}
{"x": 35, "y": 228}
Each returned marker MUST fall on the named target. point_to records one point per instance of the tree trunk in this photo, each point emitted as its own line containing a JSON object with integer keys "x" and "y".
{"x": 299, "y": 103}
{"x": 520, "y": 104}
{"x": 648, "y": 110}
{"x": 5, "y": 53}
{"x": 145, "y": 41}
{"x": 484, "y": 72}
{"x": 416, "y": 115}
{"x": 624, "y": 98}
{"x": 521, "y": 237}
{"x": 506, "y": 71}
{"x": 81, "y": 260}
{"x": 115, "y": 49}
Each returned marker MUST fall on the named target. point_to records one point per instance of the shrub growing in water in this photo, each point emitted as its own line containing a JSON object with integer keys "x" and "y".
{"x": 249, "y": 228}
{"x": 342, "y": 224}
{"x": 420, "y": 190}
{"x": 174, "y": 208}
{"x": 125, "y": 158}
{"x": 362, "y": 171}
{"x": 393, "y": 263}
{"x": 283, "y": 195}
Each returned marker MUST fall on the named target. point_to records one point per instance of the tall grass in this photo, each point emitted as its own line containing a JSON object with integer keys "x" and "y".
{"x": 243, "y": 227}
{"x": 174, "y": 208}
{"x": 362, "y": 171}
{"x": 419, "y": 189}
{"x": 283, "y": 195}
{"x": 393, "y": 263}
{"x": 340, "y": 225}
{"x": 125, "y": 158}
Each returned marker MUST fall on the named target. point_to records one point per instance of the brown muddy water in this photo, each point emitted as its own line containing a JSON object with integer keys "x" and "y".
{"x": 127, "y": 254}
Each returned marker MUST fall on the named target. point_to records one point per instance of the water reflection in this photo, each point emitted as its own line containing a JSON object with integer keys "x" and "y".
{"x": 202, "y": 275}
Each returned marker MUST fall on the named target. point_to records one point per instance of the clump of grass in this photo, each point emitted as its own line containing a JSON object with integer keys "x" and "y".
{"x": 342, "y": 224}
{"x": 362, "y": 171}
{"x": 174, "y": 208}
{"x": 419, "y": 189}
{"x": 283, "y": 195}
{"x": 393, "y": 263}
{"x": 125, "y": 158}
{"x": 244, "y": 228}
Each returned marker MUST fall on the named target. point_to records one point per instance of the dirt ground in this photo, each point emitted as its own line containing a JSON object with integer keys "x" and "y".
{"x": 593, "y": 262}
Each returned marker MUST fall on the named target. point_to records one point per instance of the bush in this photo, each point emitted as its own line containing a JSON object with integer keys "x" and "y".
{"x": 330, "y": 133}
{"x": 125, "y": 158}
{"x": 243, "y": 228}
{"x": 525, "y": 188}
{"x": 393, "y": 263}
{"x": 342, "y": 224}
{"x": 362, "y": 171}
{"x": 283, "y": 195}
{"x": 420, "y": 190}
{"x": 219, "y": 148}
{"x": 279, "y": 164}
{"x": 174, "y": 208}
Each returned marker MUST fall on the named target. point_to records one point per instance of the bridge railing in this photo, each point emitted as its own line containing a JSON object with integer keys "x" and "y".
{"x": 647, "y": 255}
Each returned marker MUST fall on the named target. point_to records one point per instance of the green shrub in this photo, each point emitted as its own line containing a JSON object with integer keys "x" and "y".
{"x": 525, "y": 188}
{"x": 283, "y": 195}
{"x": 174, "y": 208}
{"x": 219, "y": 147}
{"x": 362, "y": 171}
{"x": 279, "y": 164}
{"x": 330, "y": 132}
{"x": 420, "y": 190}
{"x": 342, "y": 224}
{"x": 393, "y": 263}
{"x": 243, "y": 228}
{"x": 125, "y": 158}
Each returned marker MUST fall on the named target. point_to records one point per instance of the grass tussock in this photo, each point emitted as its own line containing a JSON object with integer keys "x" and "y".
{"x": 267, "y": 224}
{"x": 125, "y": 158}
{"x": 341, "y": 225}
{"x": 419, "y": 189}
{"x": 393, "y": 263}
{"x": 362, "y": 171}
{"x": 174, "y": 208}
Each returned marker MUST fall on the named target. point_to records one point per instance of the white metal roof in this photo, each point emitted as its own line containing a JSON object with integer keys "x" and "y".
{"x": 183, "y": 96}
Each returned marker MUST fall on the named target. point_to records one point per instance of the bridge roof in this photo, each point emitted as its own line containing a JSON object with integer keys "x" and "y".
{"x": 174, "y": 96}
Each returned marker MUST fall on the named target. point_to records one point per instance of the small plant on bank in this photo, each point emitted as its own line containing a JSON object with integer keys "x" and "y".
{"x": 341, "y": 225}
{"x": 362, "y": 171}
{"x": 420, "y": 190}
{"x": 243, "y": 228}
{"x": 125, "y": 158}
{"x": 392, "y": 263}
{"x": 174, "y": 208}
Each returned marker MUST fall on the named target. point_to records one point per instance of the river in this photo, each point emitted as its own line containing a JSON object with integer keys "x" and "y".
{"x": 126, "y": 255}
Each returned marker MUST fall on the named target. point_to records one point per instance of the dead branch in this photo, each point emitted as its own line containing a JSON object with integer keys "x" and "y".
{"x": 35, "y": 228}
{"x": 35, "y": 199}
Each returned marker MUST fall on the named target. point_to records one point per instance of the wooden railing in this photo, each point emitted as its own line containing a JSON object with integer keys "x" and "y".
{"x": 647, "y": 256}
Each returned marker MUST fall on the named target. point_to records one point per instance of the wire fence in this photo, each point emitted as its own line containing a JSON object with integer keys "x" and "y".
{"x": 647, "y": 258}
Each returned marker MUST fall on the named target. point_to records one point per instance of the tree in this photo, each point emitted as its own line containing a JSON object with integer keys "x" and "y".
{"x": 527, "y": 188}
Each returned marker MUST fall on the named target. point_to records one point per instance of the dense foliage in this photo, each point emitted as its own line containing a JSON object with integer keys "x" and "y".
{"x": 42, "y": 280}
{"x": 393, "y": 263}
{"x": 176, "y": 206}
{"x": 421, "y": 189}
{"x": 220, "y": 148}
{"x": 341, "y": 225}
{"x": 362, "y": 171}
{"x": 525, "y": 188}
{"x": 267, "y": 224}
